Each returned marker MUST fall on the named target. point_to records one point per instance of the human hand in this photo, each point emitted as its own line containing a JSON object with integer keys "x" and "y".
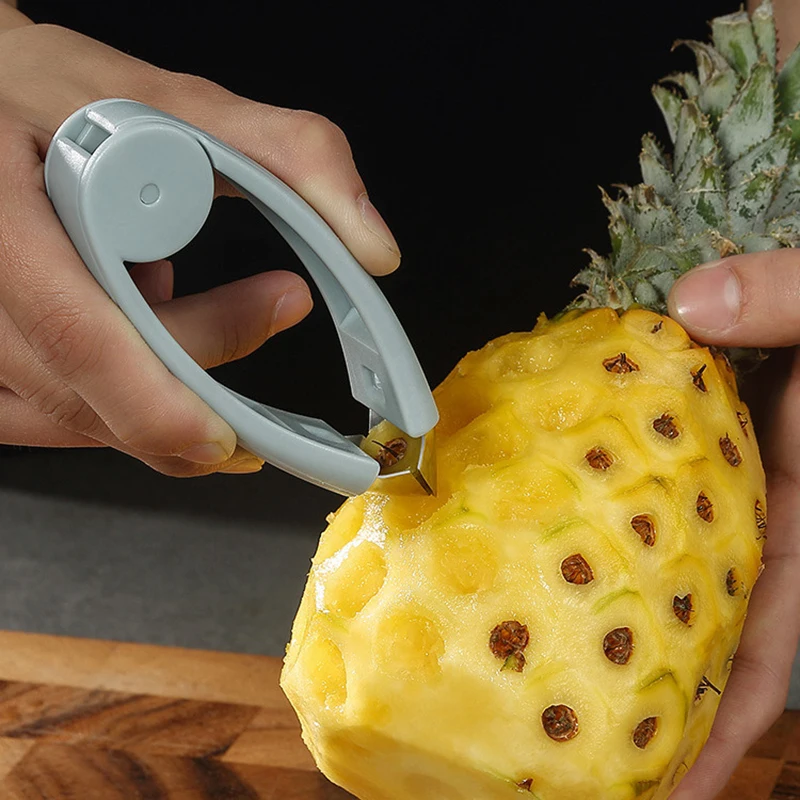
{"x": 754, "y": 301}
{"x": 73, "y": 371}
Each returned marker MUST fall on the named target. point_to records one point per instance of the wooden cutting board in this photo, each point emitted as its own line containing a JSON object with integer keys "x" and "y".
{"x": 95, "y": 720}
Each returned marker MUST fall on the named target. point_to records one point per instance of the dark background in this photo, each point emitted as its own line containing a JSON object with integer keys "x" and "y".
{"x": 482, "y": 132}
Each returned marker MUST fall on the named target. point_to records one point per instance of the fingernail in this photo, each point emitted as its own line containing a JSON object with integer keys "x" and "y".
{"x": 244, "y": 466}
{"x": 376, "y": 224}
{"x": 708, "y": 298}
{"x": 209, "y": 453}
{"x": 290, "y": 308}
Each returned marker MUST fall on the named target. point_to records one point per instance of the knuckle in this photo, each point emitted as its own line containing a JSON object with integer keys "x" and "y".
{"x": 150, "y": 427}
{"x": 65, "y": 341}
{"x": 67, "y": 410}
{"x": 316, "y": 137}
{"x": 232, "y": 344}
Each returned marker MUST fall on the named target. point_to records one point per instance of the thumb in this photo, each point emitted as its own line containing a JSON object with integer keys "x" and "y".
{"x": 748, "y": 300}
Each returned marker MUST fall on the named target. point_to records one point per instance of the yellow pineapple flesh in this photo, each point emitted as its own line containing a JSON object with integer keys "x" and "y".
{"x": 558, "y": 620}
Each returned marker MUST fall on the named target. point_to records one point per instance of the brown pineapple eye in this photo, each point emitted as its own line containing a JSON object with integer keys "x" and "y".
{"x": 733, "y": 582}
{"x": 599, "y": 459}
{"x": 683, "y": 609}
{"x": 665, "y": 425}
{"x": 730, "y": 451}
{"x": 643, "y": 525}
{"x": 618, "y": 645}
{"x": 576, "y": 569}
{"x": 560, "y": 723}
{"x": 620, "y": 364}
{"x": 391, "y": 452}
{"x": 698, "y": 380}
{"x": 761, "y": 520}
{"x": 645, "y": 732}
{"x": 704, "y": 507}
{"x": 507, "y": 641}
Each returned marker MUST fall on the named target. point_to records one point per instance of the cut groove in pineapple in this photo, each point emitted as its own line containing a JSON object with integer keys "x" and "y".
{"x": 462, "y": 556}
{"x": 409, "y": 646}
{"x": 356, "y": 576}
{"x": 327, "y": 678}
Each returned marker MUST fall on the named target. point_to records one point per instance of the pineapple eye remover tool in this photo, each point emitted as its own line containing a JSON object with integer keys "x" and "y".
{"x": 131, "y": 184}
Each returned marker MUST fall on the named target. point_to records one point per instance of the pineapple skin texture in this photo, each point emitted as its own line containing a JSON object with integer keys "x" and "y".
{"x": 390, "y": 667}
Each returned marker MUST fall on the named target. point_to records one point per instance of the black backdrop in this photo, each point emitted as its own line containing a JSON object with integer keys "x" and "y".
{"x": 482, "y": 131}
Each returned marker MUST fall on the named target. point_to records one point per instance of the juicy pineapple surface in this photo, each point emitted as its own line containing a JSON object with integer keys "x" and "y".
{"x": 558, "y": 620}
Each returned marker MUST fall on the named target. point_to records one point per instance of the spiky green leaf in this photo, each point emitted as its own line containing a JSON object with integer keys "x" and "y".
{"x": 670, "y": 105}
{"x": 764, "y": 30}
{"x": 759, "y": 242}
{"x": 702, "y": 204}
{"x": 734, "y": 38}
{"x": 789, "y": 92}
{"x": 732, "y": 184}
{"x": 689, "y": 123}
{"x": 716, "y": 95}
{"x": 655, "y": 168}
{"x": 695, "y": 130}
{"x": 787, "y": 197}
{"x": 652, "y": 221}
{"x": 786, "y": 229}
{"x": 753, "y": 181}
{"x": 751, "y": 118}
{"x": 710, "y": 62}
{"x": 719, "y": 82}
{"x": 685, "y": 81}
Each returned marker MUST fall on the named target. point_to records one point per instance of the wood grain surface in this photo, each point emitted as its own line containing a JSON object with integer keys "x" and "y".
{"x": 92, "y": 720}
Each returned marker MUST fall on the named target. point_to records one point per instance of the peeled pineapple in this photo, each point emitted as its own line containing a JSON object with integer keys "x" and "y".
{"x": 560, "y": 619}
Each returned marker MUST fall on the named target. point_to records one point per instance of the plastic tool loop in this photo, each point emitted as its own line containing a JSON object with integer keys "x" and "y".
{"x": 131, "y": 183}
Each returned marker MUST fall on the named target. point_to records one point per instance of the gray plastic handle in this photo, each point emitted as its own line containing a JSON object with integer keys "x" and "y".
{"x": 131, "y": 183}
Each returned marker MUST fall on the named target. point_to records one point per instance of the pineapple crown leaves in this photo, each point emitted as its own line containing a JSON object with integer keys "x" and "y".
{"x": 732, "y": 181}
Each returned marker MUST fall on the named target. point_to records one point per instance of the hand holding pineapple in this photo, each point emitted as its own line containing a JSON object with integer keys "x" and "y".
{"x": 754, "y": 301}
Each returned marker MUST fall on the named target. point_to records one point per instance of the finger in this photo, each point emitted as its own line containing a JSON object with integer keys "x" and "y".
{"x": 231, "y": 321}
{"x": 155, "y": 280}
{"x": 21, "y": 424}
{"x": 747, "y": 300}
{"x": 84, "y": 340}
{"x": 305, "y": 150}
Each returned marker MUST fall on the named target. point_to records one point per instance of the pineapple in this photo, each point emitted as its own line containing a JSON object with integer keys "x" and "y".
{"x": 559, "y": 621}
